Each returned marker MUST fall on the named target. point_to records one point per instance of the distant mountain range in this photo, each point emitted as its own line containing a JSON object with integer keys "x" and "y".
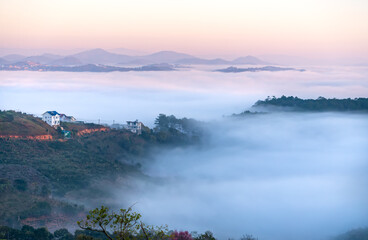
{"x": 258, "y": 69}
{"x": 101, "y": 56}
{"x": 32, "y": 66}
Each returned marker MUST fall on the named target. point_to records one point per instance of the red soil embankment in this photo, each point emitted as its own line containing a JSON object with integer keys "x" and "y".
{"x": 45, "y": 137}
{"x": 48, "y": 137}
{"x": 91, "y": 130}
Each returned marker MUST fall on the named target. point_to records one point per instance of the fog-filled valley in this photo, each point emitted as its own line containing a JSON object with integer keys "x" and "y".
{"x": 277, "y": 176}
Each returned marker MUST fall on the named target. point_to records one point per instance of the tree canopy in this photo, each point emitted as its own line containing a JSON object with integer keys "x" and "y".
{"x": 319, "y": 104}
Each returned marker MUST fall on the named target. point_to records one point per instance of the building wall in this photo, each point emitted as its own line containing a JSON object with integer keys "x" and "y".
{"x": 134, "y": 126}
{"x": 64, "y": 118}
{"x": 51, "y": 120}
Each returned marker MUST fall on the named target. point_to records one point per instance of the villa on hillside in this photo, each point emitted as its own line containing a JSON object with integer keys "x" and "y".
{"x": 65, "y": 118}
{"x": 134, "y": 126}
{"x": 52, "y": 118}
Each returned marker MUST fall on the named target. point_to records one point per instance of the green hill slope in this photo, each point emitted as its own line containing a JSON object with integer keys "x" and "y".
{"x": 35, "y": 175}
{"x": 21, "y": 124}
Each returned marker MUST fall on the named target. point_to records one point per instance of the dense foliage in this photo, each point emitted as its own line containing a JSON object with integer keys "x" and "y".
{"x": 174, "y": 130}
{"x": 30, "y": 233}
{"x": 122, "y": 225}
{"x": 319, "y": 104}
{"x": 356, "y": 234}
{"x": 247, "y": 113}
{"x": 70, "y": 165}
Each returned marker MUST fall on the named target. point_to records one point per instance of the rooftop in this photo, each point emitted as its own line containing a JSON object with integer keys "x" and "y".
{"x": 52, "y": 113}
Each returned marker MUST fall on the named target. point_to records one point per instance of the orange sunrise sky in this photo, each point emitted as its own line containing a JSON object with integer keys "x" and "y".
{"x": 334, "y": 28}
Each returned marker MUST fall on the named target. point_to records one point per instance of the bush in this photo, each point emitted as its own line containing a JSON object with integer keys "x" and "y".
{"x": 20, "y": 185}
{"x": 181, "y": 236}
{"x": 38, "y": 210}
{"x": 63, "y": 234}
{"x": 206, "y": 236}
{"x": 42, "y": 234}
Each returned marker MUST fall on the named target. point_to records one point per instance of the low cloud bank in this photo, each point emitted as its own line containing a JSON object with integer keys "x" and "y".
{"x": 276, "y": 176}
{"x": 196, "y": 93}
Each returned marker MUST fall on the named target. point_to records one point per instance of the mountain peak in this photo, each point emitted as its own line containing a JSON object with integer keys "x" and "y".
{"x": 100, "y": 56}
{"x": 13, "y": 57}
{"x": 167, "y": 53}
{"x": 96, "y": 51}
{"x": 166, "y": 56}
{"x": 249, "y": 60}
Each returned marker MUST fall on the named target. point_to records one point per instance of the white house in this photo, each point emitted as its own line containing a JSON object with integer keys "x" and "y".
{"x": 134, "y": 126}
{"x": 52, "y": 118}
{"x": 65, "y": 118}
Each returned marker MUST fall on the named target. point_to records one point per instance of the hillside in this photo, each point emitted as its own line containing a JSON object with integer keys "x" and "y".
{"x": 70, "y": 165}
{"x": 25, "y": 199}
{"x": 60, "y": 168}
{"x": 35, "y": 174}
{"x": 355, "y": 234}
{"x": 40, "y": 179}
{"x": 25, "y": 126}
{"x": 20, "y": 124}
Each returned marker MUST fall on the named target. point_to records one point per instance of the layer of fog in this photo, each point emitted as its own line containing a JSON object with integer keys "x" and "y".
{"x": 197, "y": 92}
{"x": 279, "y": 177}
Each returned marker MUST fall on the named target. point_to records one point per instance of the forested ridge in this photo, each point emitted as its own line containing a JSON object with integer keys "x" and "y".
{"x": 319, "y": 104}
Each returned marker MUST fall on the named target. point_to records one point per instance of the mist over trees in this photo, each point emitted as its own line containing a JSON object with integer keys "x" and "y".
{"x": 172, "y": 129}
{"x": 355, "y": 234}
{"x": 319, "y": 104}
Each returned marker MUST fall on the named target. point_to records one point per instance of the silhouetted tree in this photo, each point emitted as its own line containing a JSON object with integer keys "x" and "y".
{"x": 123, "y": 225}
{"x": 208, "y": 235}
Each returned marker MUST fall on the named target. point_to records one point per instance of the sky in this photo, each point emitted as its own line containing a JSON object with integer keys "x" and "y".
{"x": 310, "y": 28}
